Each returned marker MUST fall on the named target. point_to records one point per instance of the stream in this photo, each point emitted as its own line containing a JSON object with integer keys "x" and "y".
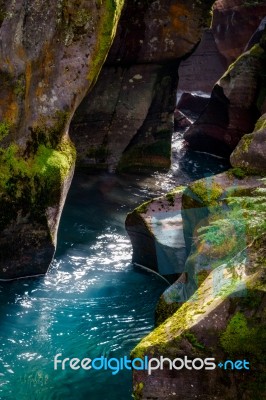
{"x": 92, "y": 302}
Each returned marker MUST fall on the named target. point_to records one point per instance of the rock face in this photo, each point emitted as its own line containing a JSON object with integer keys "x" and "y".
{"x": 233, "y": 24}
{"x": 250, "y": 152}
{"x": 126, "y": 122}
{"x": 225, "y": 281}
{"x": 203, "y": 68}
{"x": 236, "y": 102}
{"x": 50, "y": 54}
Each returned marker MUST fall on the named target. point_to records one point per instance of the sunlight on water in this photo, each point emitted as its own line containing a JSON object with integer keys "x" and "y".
{"x": 91, "y": 302}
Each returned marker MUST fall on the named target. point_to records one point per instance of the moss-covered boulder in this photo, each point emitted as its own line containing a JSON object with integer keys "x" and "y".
{"x": 236, "y": 102}
{"x": 50, "y": 55}
{"x": 205, "y": 203}
{"x": 250, "y": 154}
{"x": 224, "y": 320}
{"x": 217, "y": 307}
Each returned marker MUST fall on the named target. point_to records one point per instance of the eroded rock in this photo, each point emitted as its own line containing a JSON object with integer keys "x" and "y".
{"x": 223, "y": 316}
{"x": 250, "y": 153}
{"x": 235, "y": 104}
{"x": 50, "y": 54}
{"x": 138, "y": 85}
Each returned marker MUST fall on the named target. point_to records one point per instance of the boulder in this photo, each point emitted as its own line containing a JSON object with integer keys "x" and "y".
{"x": 250, "y": 154}
{"x": 193, "y": 103}
{"x": 181, "y": 122}
{"x": 216, "y": 308}
{"x": 234, "y": 106}
{"x": 156, "y": 232}
{"x": 203, "y": 204}
{"x": 219, "y": 322}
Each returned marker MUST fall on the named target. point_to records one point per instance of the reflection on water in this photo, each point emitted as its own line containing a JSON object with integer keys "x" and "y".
{"x": 91, "y": 302}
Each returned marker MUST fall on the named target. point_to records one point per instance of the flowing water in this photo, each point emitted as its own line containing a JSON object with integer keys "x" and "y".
{"x": 91, "y": 302}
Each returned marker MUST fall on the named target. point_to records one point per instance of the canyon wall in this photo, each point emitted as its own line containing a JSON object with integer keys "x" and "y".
{"x": 50, "y": 55}
{"x": 126, "y": 122}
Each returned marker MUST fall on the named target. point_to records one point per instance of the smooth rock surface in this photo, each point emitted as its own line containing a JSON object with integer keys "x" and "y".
{"x": 250, "y": 154}
{"x": 138, "y": 85}
{"x": 233, "y": 108}
{"x": 50, "y": 54}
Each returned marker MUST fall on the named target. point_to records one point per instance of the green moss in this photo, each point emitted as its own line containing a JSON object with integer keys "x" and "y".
{"x": 48, "y": 164}
{"x": 208, "y": 191}
{"x": 107, "y": 30}
{"x": 164, "y": 310}
{"x": 82, "y": 17}
{"x": 172, "y": 329}
{"x": 261, "y": 124}
{"x": 48, "y": 132}
{"x": 147, "y": 157}
{"x": 170, "y": 196}
{"x": 32, "y": 184}
{"x": 237, "y": 172}
{"x": 246, "y": 142}
{"x": 138, "y": 390}
{"x": 193, "y": 340}
{"x": 20, "y": 87}
{"x": 239, "y": 338}
{"x": 256, "y": 51}
{"x": 4, "y": 129}
{"x": 143, "y": 208}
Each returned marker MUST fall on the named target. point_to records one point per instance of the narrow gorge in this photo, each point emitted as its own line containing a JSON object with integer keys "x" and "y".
{"x": 132, "y": 198}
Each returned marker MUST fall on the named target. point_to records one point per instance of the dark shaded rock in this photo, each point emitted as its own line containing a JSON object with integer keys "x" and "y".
{"x": 233, "y": 24}
{"x": 127, "y": 104}
{"x": 138, "y": 84}
{"x": 153, "y": 31}
{"x": 233, "y": 108}
{"x": 203, "y": 68}
{"x": 181, "y": 122}
{"x": 192, "y": 103}
{"x": 257, "y": 36}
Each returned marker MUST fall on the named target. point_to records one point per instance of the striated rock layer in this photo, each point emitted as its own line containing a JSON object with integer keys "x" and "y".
{"x": 236, "y": 102}
{"x": 126, "y": 122}
{"x": 50, "y": 55}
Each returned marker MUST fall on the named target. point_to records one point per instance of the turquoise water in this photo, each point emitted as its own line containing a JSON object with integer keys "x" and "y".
{"x": 91, "y": 302}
